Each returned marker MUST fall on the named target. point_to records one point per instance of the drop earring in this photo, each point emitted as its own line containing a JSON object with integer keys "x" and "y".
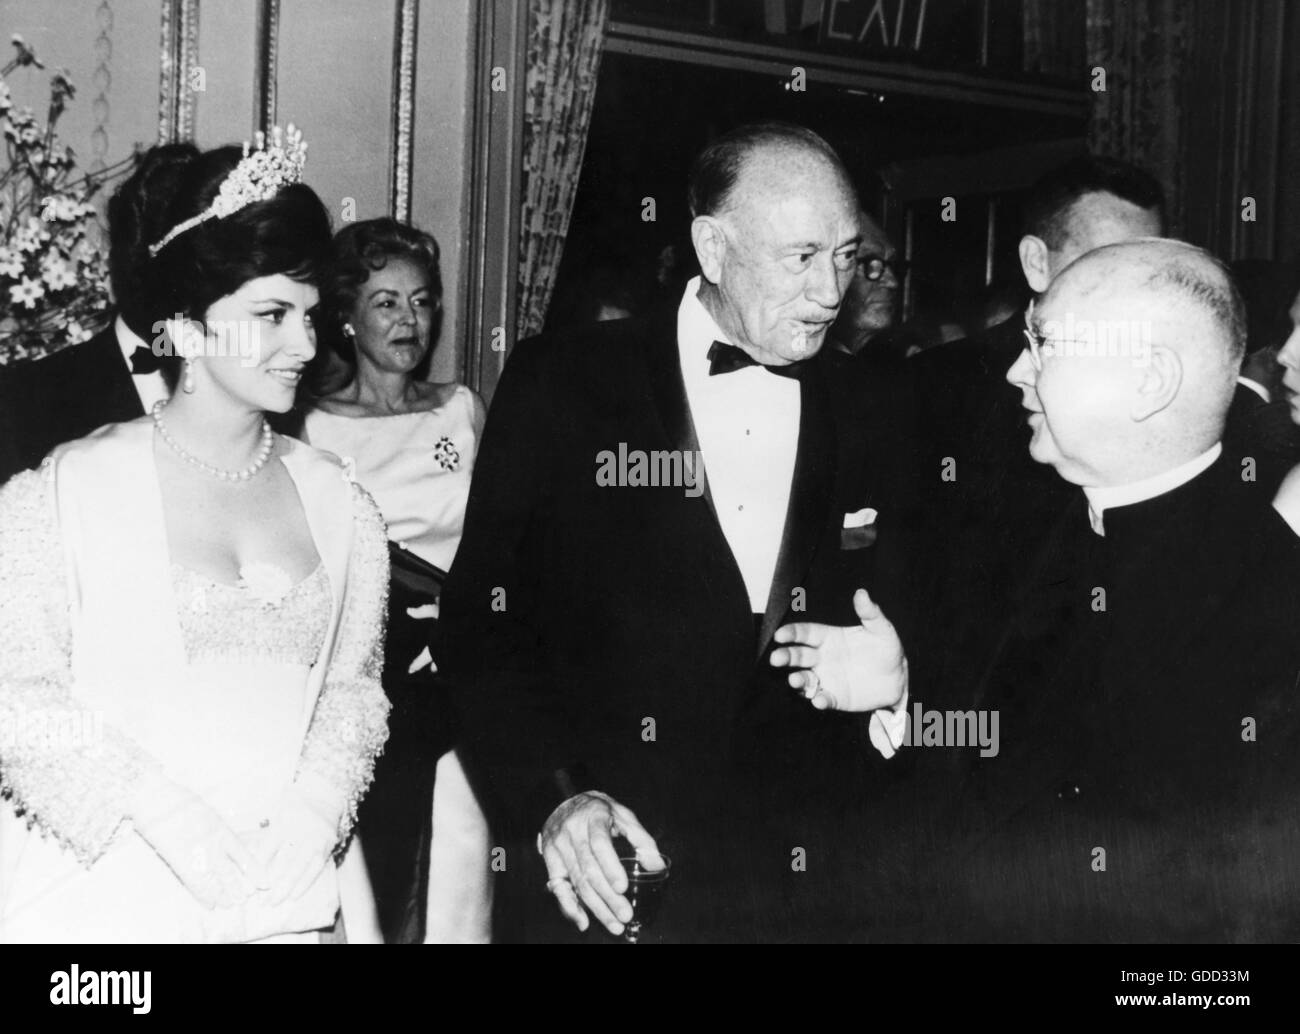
{"x": 187, "y": 380}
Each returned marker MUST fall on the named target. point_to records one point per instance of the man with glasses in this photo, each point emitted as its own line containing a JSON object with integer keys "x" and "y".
{"x": 989, "y": 497}
{"x": 871, "y": 303}
{"x": 1145, "y": 677}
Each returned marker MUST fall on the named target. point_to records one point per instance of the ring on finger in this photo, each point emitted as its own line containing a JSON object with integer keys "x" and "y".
{"x": 555, "y": 881}
{"x": 831, "y": 703}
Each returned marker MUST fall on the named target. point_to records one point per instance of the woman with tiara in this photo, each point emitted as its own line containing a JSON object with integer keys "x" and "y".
{"x": 193, "y": 610}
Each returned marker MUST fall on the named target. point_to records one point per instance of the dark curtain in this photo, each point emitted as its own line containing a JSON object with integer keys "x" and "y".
{"x": 565, "y": 39}
{"x": 1142, "y": 46}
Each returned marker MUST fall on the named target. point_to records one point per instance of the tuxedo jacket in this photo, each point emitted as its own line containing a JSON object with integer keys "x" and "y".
{"x": 985, "y": 495}
{"x": 602, "y": 638}
{"x": 1145, "y": 786}
{"x": 62, "y": 397}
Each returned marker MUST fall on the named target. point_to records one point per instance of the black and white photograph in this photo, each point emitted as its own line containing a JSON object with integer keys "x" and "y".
{"x": 716, "y": 472}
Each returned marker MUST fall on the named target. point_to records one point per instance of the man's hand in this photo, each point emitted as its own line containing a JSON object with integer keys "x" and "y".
{"x": 582, "y": 866}
{"x": 858, "y": 668}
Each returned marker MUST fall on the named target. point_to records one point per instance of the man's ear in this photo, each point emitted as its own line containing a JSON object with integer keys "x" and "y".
{"x": 1033, "y": 260}
{"x": 1161, "y": 380}
{"x": 710, "y": 246}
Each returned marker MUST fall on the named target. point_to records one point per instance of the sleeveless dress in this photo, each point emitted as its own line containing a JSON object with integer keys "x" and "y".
{"x": 416, "y": 466}
{"x": 425, "y": 839}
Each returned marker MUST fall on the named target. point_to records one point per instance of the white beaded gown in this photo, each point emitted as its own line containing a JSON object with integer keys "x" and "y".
{"x": 242, "y": 694}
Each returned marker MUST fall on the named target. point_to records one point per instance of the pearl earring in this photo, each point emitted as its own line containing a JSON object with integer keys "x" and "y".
{"x": 187, "y": 383}
{"x": 348, "y": 331}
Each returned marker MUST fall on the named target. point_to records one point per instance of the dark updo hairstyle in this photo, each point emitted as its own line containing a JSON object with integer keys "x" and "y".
{"x": 135, "y": 220}
{"x": 364, "y": 248}
{"x": 287, "y": 234}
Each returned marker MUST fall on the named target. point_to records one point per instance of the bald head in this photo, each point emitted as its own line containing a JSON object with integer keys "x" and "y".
{"x": 762, "y": 153}
{"x": 1182, "y": 292}
{"x": 1141, "y": 345}
{"x": 776, "y": 232}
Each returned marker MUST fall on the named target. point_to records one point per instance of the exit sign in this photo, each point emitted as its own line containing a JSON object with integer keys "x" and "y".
{"x": 950, "y": 29}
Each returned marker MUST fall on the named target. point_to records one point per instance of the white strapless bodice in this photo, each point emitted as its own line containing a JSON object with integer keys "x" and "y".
{"x": 232, "y": 732}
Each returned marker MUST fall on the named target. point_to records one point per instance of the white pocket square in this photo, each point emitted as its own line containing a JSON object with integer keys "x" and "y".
{"x": 860, "y": 518}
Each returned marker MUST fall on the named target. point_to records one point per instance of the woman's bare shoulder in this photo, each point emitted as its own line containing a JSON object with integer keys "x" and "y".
{"x": 435, "y": 394}
{"x": 340, "y": 404}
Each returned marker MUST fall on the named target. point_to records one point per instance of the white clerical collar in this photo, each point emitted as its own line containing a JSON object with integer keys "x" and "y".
{"x": 1101, "y": 499}
{"x": 696, "y": 328}
{"x": 127, "y": 339}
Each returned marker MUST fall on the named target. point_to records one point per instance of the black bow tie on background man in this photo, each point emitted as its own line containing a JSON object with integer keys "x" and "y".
{"x": 144, "y": 361}
{"x": 724, "y": 358}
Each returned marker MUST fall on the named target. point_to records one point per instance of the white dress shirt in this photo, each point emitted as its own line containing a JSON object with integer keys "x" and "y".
{"x": 747, "y": 425}
{"x": 1102, "y": 499}
{"x": 149, "y": 386}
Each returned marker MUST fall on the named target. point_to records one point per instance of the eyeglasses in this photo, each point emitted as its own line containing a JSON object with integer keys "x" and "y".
{"x": 1037, "y": 343}
{"x": 873, "y": 267}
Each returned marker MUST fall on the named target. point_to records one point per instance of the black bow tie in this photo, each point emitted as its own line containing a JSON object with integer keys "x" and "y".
{"x": 144, "y": 361}
{"x": 724, "y": 358}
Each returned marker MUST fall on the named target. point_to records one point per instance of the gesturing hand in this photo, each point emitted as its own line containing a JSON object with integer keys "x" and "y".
{"x": 581, "y": 864}
{"x": 197, "y": 845}
{"x": 857, "y": 668}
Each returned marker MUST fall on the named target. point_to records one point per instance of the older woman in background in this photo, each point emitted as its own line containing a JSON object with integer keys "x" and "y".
{"x": 413, "y": 444}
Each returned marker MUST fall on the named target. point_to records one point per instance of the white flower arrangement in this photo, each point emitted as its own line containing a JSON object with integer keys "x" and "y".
{"x": 54, "y": 285}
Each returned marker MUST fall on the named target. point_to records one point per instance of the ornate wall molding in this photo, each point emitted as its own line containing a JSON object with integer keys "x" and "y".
{"x": 102, "y": 80}
{"x": 403, "y": 130}
{"x": 494, "y": 188}
{"x": 265, "y": 73}
{"x": 180, "y": 52}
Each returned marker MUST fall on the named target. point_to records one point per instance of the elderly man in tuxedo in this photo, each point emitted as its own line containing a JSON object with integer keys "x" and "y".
{"x": 1146, "y": 671}
{"x": 652, "y": 501}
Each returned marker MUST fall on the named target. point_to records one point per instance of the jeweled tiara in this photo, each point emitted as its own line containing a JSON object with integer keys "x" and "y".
{"x": 259, "y": 175}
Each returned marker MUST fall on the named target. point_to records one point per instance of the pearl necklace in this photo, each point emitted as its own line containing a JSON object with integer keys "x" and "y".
{"x": 263, "y": 454}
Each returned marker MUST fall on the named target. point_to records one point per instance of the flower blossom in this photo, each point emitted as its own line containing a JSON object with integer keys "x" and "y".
{"x": 26, "y": 293}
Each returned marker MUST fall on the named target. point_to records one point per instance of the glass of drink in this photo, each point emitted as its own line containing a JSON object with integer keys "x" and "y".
{"x": 646, "y": 876}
